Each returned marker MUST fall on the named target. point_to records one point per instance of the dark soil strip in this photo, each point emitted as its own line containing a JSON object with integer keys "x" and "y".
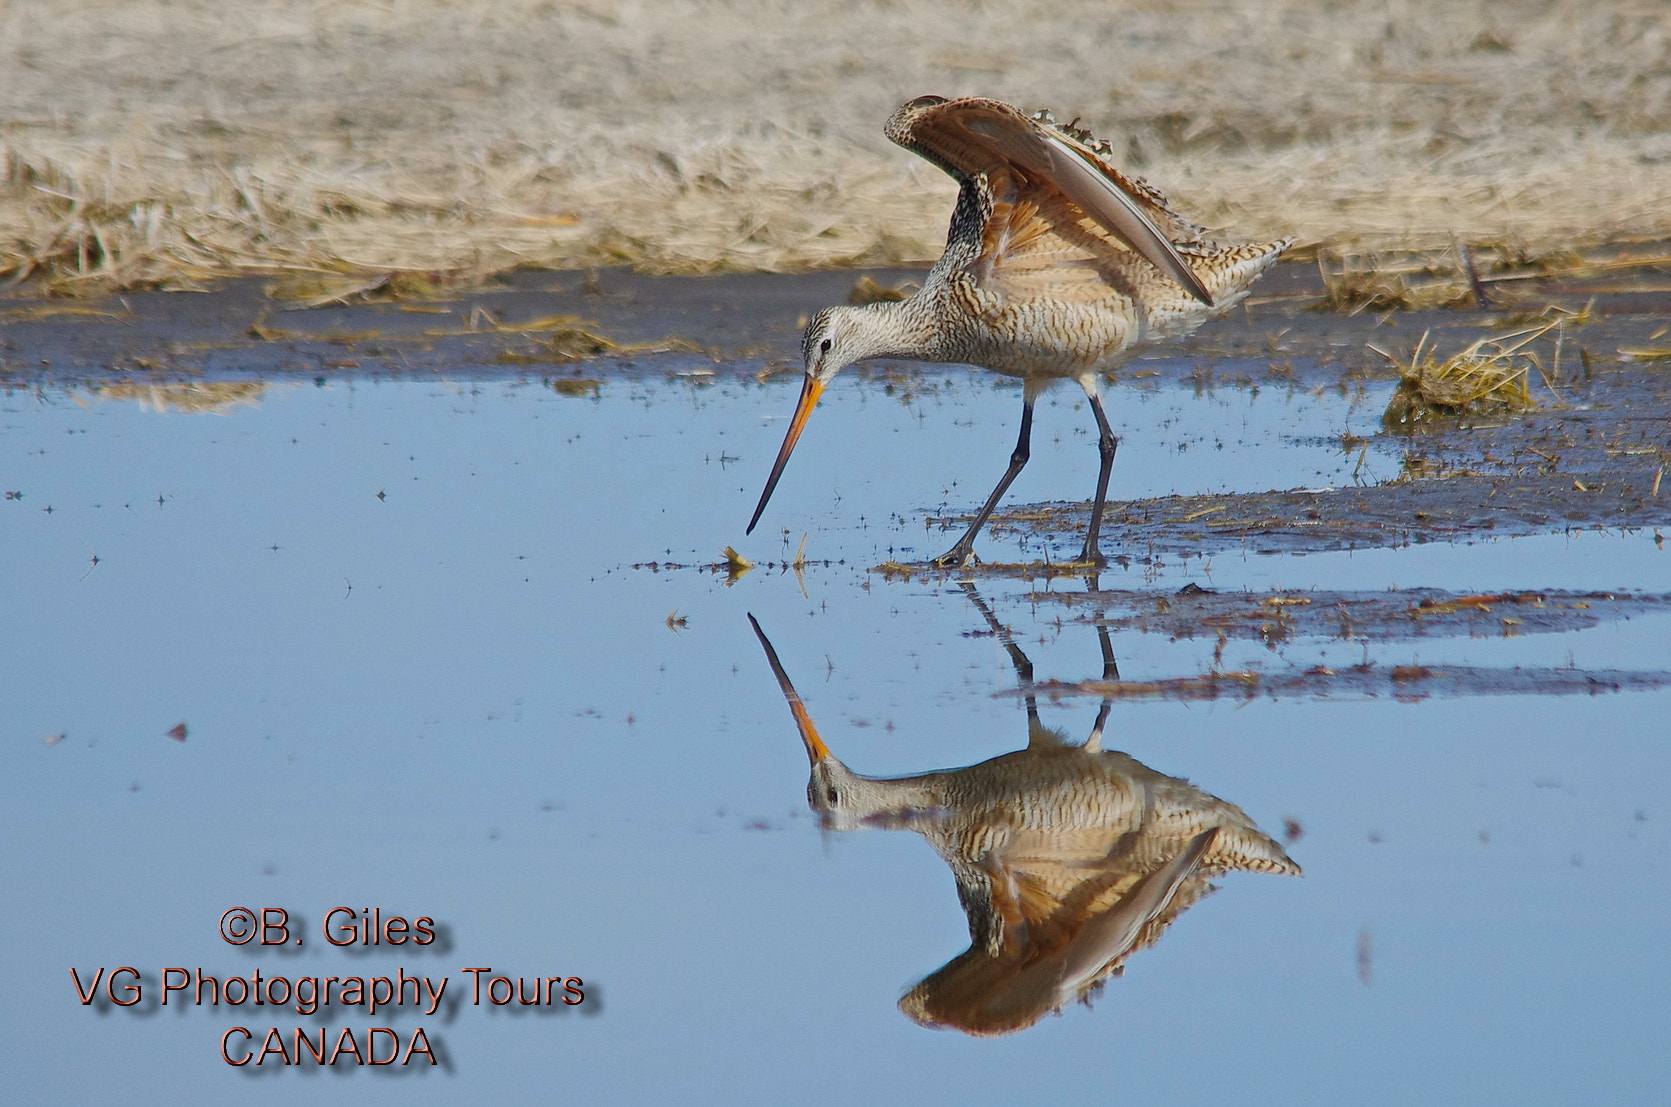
{"x": 1381, "y": 616}
{"x": 1400, "y": 682}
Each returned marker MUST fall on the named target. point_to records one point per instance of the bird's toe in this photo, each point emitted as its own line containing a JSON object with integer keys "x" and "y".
{"x": 955, "y": 558}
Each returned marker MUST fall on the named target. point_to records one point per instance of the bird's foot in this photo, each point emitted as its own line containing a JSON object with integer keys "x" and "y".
{"x": 956, "y": 557}
{"x": 1092, "y": 556}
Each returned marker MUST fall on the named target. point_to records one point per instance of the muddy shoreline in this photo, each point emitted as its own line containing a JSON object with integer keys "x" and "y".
{"x": 1591, "y": 454}
{"x": 1309, "y": 640}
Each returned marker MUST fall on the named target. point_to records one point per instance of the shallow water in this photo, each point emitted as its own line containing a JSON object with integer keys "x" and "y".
{"x": 420, "y": 672}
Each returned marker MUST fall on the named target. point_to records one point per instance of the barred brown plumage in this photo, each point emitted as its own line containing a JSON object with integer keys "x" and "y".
{"x": 1057, "y": 267}
{"x": 1068, "y": 858}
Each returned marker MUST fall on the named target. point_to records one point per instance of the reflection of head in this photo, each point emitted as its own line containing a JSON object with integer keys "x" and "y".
{"x": 845, "y": 800}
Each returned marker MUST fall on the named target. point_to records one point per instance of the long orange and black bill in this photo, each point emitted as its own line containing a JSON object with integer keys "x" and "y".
{"x": 816, "y": 750}
{"x": 811, "y": 389}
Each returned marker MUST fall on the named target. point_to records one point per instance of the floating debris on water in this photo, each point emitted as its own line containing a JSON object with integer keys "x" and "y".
{"x": 1487, "y": 377}
{"x": 578, "y": 387}
{"x": 735, "y": 565}
{"x": 192, "y": 397}
{"x": 866, "y": 290}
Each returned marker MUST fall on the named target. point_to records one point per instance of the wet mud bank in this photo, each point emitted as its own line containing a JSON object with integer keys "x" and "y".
{"x": 602, "y": 325}
{"x": 1331, "y": 644}
{"x": 1407, "y": 614}
{"x": 1589, "y": 453}
{"x": 1457, "y": 508}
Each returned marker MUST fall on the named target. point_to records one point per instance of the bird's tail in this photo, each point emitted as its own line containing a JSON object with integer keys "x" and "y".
{"x": 1229, "y": 271}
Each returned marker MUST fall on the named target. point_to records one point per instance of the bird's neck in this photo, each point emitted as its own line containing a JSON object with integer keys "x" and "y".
{"x": 881, "y": 802}
{"x": 904, "y": 798}
{"x": 898, "y": 328}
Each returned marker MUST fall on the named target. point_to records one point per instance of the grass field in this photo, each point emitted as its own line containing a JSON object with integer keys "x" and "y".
{"x": 144, "y": 142}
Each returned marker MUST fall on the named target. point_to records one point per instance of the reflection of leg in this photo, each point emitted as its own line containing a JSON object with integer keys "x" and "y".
{"x": 959, "y": 555}
{"x": 1023, "y": 666}
{"x": 1110, "y": 668}
{"x": 1106, "y": 445}
{"x": 1110, "y": 671}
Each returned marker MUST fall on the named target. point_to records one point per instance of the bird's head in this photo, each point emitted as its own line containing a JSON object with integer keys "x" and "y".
{"x": 831, "y": 791}
{"x": 835, "y": 339}
{"x": 844, "y": 800}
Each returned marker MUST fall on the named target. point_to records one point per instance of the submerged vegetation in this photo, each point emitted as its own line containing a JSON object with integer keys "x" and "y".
{"x": 190, "y": 397}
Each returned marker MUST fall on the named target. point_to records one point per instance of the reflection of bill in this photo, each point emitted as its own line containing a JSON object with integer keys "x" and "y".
{"x": 1068, "y": 858}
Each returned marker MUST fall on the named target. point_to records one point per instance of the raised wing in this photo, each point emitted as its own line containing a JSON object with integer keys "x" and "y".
{"x": 1043, "y": 180}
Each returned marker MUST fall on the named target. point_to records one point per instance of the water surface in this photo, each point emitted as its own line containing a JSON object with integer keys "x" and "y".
{"x": 419, "y": 671}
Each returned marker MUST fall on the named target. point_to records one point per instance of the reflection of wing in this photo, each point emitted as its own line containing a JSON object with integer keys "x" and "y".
{"x": 1067, "y": 862}
{"x": 1052, "y": 951}
{"x": 1045, "y": 902}
{"x": 1110, "y": 934}
{"x": 1059, "y": 218}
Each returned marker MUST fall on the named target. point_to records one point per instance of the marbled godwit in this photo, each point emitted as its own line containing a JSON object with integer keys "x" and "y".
{"x": 1057, "y": 267}
{"x": 1068, "y": 858}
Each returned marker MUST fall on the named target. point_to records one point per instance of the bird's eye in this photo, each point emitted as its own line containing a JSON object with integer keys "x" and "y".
{"x": 824, "y": 346}
{"x": 830, "y": 795}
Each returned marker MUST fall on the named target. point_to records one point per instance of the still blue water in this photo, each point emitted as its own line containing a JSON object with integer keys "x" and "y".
{"x": 420, "y": 673}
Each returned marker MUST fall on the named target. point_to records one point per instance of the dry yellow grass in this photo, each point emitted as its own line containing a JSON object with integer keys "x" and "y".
{"x": 1488, "y": 377}
{"x": 144, "y": 141}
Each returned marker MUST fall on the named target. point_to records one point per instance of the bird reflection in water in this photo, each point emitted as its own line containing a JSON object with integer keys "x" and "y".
{"x": 1068, "y": 857}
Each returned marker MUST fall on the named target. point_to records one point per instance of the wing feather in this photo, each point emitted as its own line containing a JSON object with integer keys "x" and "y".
{"x": 1023, "y": 159}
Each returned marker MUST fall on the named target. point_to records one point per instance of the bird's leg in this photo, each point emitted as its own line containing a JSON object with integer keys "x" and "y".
{"x": 958, "y": 555}
{"x": 1106, "y": 445}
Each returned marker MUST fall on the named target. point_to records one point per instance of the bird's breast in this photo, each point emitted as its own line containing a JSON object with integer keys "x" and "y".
{"x": 1039, "y": 337}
